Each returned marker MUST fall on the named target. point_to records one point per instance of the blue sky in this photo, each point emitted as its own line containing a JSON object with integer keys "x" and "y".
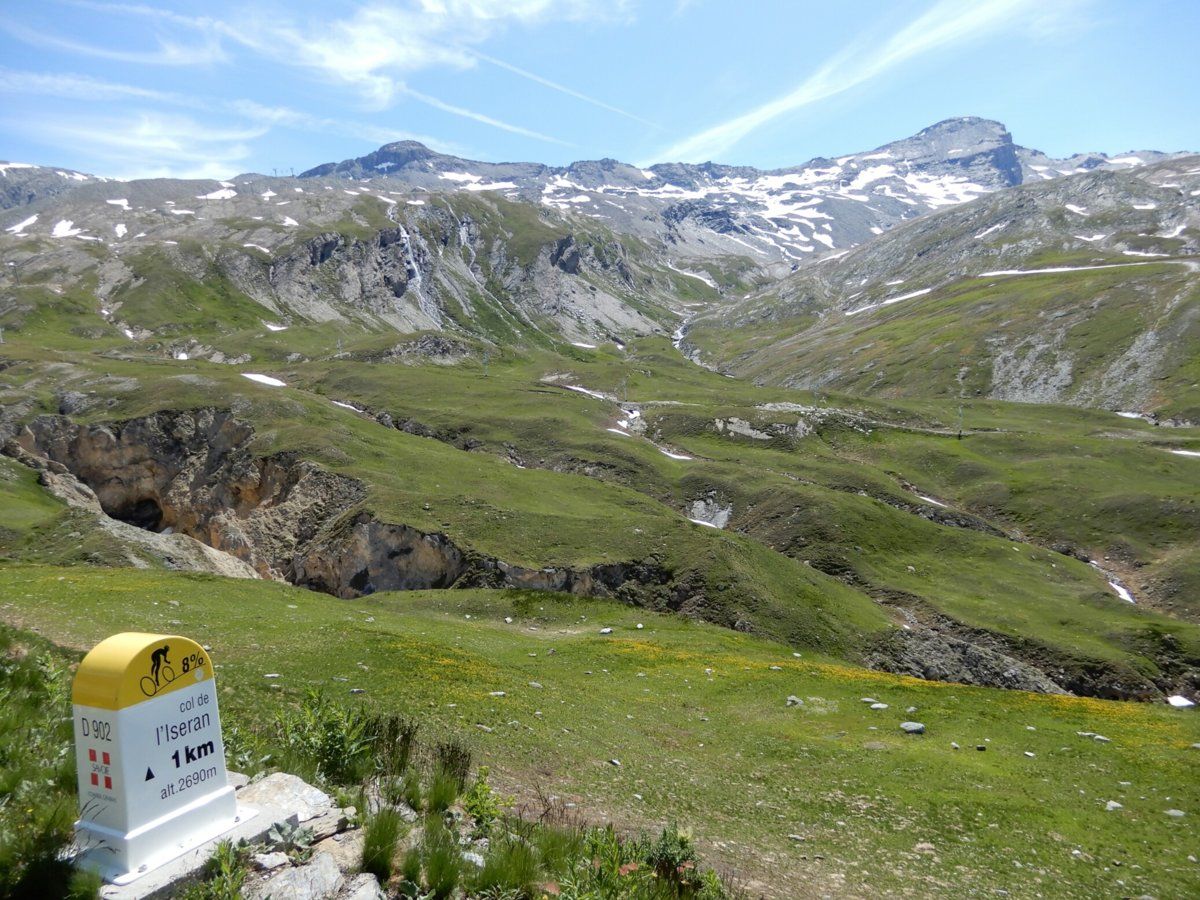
{"x": 211, "y": 89}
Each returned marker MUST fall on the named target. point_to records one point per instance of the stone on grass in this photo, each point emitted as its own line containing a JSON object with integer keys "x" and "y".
{"x": 319, "y": 879}
{"x": 793, "y": 700}
{"x": 606, "y": 631}
{"x": 912, "y": 727}
{"x": 268, "y": 861}
{"x": 473, "y": 858}
{"x": 1112, "y": 804}
{"x": 614, "y": 762}
{"x": 284, "y": 791}
{"x": 879, "y": 706}
{"x": 363, "y": 886}
{"x": 1176, "y": 813}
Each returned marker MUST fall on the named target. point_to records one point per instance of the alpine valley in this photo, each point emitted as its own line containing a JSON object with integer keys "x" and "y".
{"x": 703, "y": 455}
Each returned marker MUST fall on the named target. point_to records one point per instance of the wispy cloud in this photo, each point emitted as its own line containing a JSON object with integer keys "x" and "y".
{"x": 373, "y": 49}
{"x": 947, "y": 23}
{"x": 259, "y": 118}
{"x": 286, "y": 117}
{"x": 78, "y": 87}
{"x": 480, "y": 117}
{"x": 142, "y": 144}
{"x": 561, "y": 88}
{"x": 166, "y": 53}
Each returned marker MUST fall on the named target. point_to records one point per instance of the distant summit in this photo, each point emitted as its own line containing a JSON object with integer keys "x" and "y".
{"x": 782, "y": 217}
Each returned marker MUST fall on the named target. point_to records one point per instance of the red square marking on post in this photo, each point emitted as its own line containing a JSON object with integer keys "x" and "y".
{"x": 106, "y": 759}
{"x": 107, "y": 783}
{"x": 95, "y": 780}
{"x": 91, "y": 756}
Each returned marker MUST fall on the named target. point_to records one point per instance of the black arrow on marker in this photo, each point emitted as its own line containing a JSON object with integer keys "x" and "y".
{"x": 149, "y": 773}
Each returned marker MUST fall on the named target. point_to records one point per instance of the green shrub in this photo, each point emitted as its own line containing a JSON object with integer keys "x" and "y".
{"x": 294, "y": 840}
{"x": 37, "y": 769}
{"x": 673, "y": 857}
{"x": 481, "y": 804}
{"x": 510, "y": 865}
{"x": 443, "y": 861}
{"x": 396, "y": 739}
{"x": 223, "y": 874}
{"x": 443, "y": 791}
{"x": 335, "y": 738}
{"x": 410, "y": 790}
{"x": 84, "y": 885}
{"x": 380, "y": 838}
{"x": 453, "y": 757}
{"x": 410, "y": 872}
{"x": 558, "y": 848}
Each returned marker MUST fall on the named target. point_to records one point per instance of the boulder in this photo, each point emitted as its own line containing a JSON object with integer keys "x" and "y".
{"x": 287, "y": 792}
{"x": 912, "y": 727}
{"x": 364, "y": 886}
{"x": 319, "y": 879}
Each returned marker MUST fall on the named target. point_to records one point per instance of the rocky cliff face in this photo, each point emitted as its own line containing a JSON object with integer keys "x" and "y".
{"x": 194, "y": 473}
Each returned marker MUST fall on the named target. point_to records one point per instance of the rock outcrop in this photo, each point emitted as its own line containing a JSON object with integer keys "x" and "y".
{"x": 192, "y": 476}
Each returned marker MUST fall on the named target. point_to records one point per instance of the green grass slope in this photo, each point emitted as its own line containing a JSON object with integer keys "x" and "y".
{"x": 827, "y": 797}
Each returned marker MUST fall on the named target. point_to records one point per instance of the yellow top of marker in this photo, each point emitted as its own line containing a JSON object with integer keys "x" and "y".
{"x": 132, "y": 667}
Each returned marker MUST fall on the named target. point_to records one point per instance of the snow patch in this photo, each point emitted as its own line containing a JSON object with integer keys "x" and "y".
{"x": 22, "y": 225}
{"x": 1185, "y": 453}
{"x": 120, "y": 229}
{"x": 271, "y": 326}
{"x": 583, "y": 390}
{"x": 1180, "y": 702}
{"x": 699, "y": 276}
{"x": 64, "y": 228}
{"x": 1121, "y": 592}
{"x": 257, "y": 247}
{"x": 222, "y": 194}
{"x": 121, "y": 202}
{"x": 264, "y": 379}
{"x": 1078, "y": 210}
{"x": 888, "y": 302}
{"x": 345, "y": 405}
{"x": 988, "y": 231}
{"x": 290, "y": 222}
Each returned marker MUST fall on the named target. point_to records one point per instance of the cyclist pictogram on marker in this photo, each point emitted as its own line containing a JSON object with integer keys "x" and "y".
{"x": 161, "y": 673}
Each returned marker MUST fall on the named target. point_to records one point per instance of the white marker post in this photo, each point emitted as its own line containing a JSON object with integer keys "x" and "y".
{"x": 152, "y": 779}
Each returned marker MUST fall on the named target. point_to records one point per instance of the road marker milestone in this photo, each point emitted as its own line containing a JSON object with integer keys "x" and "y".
{"x": 152, "y": 779}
